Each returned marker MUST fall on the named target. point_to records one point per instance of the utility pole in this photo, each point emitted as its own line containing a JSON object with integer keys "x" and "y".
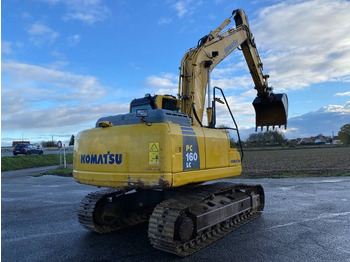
{"x": 64, "y": 156}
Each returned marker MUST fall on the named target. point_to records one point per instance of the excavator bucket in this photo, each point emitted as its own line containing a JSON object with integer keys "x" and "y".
{"x": 271, "y": 113}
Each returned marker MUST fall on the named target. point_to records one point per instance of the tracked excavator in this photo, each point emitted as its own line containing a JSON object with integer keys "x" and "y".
{"x": 155, "y": 160}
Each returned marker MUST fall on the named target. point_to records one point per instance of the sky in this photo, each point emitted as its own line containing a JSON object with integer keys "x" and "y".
{"x": 66, "y": 63}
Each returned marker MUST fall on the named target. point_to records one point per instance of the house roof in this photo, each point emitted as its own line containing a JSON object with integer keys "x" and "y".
{"x": 308, "y": 139}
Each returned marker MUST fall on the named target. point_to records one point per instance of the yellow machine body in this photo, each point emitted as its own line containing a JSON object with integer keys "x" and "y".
{"x": 158, "y": 155}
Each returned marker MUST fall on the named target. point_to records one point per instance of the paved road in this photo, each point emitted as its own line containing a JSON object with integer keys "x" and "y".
{"x": 304, "y": 220}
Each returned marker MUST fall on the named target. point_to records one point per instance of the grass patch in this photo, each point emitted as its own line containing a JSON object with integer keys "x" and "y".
{"x": 66, "y": 172}
{"x": 20, "y": 162}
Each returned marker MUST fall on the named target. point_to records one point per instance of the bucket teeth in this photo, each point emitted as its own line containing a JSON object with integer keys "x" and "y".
{"x": 267, "y": 127}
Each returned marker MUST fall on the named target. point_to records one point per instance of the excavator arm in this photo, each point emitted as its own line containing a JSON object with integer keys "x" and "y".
{"x": 197, "y": 64}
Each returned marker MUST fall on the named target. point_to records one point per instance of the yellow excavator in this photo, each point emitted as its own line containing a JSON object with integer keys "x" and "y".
{"x": 155, "y": 159}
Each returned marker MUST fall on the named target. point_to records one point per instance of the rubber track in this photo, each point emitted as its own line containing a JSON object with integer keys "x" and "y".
{"x": 87, "y": 208}
{"x": 162, "y": 222}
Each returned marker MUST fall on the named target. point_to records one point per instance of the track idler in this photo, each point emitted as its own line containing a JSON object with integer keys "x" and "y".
{"x": 272, "y": 111}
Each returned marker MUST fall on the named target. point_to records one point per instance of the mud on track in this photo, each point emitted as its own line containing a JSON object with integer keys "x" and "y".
{"x": 323, "y": 161}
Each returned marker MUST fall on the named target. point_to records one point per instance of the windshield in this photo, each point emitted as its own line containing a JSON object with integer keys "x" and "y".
{"x": 20, "y": 145}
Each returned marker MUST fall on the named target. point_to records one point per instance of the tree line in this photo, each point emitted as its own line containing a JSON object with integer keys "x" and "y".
{"x": 271, "y": 138}
{"x": 268, "y": 138}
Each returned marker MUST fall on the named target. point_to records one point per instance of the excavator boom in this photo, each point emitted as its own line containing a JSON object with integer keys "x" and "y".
{"x": 196, "y": 65}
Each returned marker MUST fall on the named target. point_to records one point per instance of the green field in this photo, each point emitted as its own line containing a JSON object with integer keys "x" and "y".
{"x": 23, "y": 161}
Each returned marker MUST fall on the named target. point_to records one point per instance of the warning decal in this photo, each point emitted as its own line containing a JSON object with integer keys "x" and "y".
{"x": 153, "y": 153}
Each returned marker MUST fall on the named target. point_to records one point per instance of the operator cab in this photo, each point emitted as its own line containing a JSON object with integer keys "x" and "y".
{"x": 149, "y": 102}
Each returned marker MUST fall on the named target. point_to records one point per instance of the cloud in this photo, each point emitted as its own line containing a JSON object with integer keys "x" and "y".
{"x": 165, "y": 21}
{"x": 343, "y": 94}
{"x": 86, "y": 11}
{"x": 73, "y": 39}
{"x": 294, "y": 39}
{"x": 40, "y": 33}
{"x": 304, "y": 42}
{"x": 181, "y": 7}
{"x": 299, "y": 45}
{"x": 166, "y": 83}
{"x": 325, "y": 121}
{"x": 58, "y": 64}
{"x": 66, "y": 118}
{"x": 41, "y": 29}
{"x": 26, "y": 15}
{"x": 186, "y": 7}
{"x": 337, "y": 109}
{"x": 229, "y": 68}
{"x": 235, "y": 83}
{"x": 6, "y": 47}
{"x": 41, "y": 83}
{"x": 165, "y": 80}
{"x": 242, "y": 110}
{"x": 42, "y": 99}
{"x": 343, "y": 79}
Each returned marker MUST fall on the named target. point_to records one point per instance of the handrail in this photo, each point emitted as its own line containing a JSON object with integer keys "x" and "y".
{"x": 213, "y": 120}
